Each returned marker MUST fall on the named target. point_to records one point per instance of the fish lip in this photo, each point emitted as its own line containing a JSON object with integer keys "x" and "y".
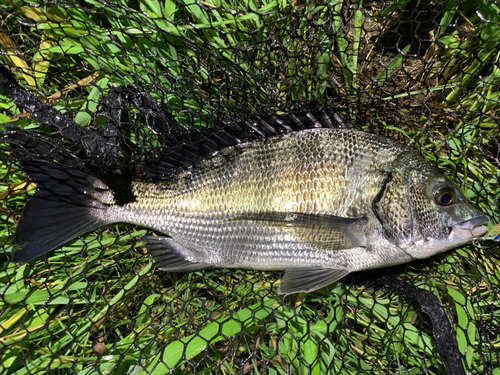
{"x": 476, "y": 226}
{"x": 473, "y": 223}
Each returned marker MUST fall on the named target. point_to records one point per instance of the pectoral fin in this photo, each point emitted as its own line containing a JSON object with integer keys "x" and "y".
{"x": 171, "y": 256}
{"x": 321, "y": 232}
{"x": 308, "y": 279}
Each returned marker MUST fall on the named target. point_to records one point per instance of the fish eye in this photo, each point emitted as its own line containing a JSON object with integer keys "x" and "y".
{"x": 444, "y": 196}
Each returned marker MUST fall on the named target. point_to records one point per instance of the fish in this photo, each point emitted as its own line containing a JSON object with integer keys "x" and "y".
{"x": 318, "y": 201}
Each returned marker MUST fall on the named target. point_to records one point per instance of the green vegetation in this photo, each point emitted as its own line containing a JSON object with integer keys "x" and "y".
{"x": 100, "y": 304}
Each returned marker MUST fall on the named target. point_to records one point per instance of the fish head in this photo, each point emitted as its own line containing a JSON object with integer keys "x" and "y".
{"x": 424, "y": 213}
{"x": 444, "y": 218}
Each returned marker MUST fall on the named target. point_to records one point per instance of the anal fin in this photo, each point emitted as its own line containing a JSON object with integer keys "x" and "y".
{"x": 308, "y": 279}
{"x": 170, "y": 256}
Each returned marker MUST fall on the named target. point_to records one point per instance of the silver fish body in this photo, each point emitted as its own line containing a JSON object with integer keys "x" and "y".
{"x": 318, "y": 203}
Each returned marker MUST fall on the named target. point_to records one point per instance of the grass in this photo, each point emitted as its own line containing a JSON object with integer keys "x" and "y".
{"x": 99, "y": 305}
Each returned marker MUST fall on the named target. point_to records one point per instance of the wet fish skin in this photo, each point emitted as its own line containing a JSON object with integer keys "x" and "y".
{"x": 200, "y": 209}
{"x": 319, "y": 203}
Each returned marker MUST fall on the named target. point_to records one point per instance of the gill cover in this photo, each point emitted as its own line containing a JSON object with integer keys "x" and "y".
{"x": 393, "y": 209}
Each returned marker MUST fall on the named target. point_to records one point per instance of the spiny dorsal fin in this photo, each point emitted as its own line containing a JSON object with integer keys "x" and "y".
{"x": 204, "y": 143}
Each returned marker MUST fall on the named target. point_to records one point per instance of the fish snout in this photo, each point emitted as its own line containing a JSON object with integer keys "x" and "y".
{"x": 476, "y": 226}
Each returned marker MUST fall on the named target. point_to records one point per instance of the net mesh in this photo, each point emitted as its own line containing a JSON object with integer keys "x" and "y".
{"x": 119, "y": 82}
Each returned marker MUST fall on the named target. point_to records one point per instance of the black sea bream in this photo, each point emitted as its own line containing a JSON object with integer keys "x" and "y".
{"x": 319, "y": 203}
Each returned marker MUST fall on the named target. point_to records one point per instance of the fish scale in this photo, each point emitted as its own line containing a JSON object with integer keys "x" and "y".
{"x": 319, "y": 203}
{"x": 262, "y": 179}
{"x": 239, "y": 186}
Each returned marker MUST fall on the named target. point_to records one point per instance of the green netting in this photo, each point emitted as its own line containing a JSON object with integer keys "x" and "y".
{"x": 136, "y": 74}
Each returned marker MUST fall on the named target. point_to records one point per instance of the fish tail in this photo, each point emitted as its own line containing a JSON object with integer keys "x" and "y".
{"x": 69, "y": 200}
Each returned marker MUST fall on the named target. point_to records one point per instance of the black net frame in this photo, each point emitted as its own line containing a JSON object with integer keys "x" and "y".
{"x": 119, "y": 82}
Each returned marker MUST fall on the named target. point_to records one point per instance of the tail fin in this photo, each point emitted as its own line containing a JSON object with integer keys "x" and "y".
{"x": 69, "y": 200}
{"x": 58, "y": 212}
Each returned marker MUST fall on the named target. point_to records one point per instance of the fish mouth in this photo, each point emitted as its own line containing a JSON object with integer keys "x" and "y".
{"x": 475, "y": 227}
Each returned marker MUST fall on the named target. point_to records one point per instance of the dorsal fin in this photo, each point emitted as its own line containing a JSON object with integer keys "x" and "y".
{"x": 206, "y": 142}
